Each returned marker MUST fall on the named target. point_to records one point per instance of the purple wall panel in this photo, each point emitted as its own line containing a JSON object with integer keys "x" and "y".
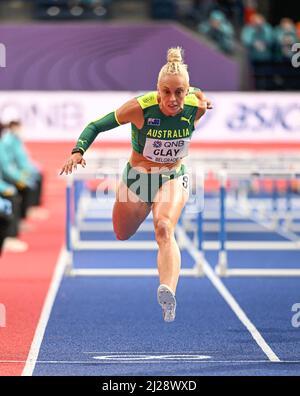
{"x": 105, "y": 57}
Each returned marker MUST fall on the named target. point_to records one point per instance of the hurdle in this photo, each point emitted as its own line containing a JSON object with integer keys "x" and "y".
{"x": 293, "y": 243}
{"x": 74, "y": 220}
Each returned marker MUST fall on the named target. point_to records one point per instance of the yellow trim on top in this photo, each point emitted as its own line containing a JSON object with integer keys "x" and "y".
{"x": 117, "y": 117}
{"x": 148, "y": 100}
{"x": 191, "y": 100}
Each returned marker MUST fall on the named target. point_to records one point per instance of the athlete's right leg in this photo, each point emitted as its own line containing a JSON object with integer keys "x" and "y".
{"x": 128, "y": 213}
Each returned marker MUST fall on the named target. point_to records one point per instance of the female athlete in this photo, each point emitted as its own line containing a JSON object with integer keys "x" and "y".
{"x": 154, "y": 179}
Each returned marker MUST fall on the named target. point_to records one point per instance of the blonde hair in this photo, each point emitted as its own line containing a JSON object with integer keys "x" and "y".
{"x": 174, "y": 65}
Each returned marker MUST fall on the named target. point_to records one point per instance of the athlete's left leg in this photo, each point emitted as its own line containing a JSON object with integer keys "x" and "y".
{"x": 166, "y": 210}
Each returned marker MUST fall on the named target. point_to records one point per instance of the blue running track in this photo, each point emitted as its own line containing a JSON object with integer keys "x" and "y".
{"x": 113, "y": 326}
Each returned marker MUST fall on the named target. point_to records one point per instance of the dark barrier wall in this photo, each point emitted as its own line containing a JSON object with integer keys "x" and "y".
{"x": 105, "y": 57}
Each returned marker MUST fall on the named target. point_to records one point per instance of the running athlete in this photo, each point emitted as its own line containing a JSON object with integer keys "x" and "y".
{"x": 155, "y": 177}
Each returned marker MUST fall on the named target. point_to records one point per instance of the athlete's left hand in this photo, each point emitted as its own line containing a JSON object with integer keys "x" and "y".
{"x": 209, "y": 104}
{"x": 202, "y": 98}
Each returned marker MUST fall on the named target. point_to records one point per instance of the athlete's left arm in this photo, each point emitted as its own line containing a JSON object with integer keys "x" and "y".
{"x": 203, "y": 104}
{"x": 201, "y": 96}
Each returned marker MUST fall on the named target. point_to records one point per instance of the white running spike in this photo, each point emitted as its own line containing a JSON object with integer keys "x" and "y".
{"x": 166, "y": 298}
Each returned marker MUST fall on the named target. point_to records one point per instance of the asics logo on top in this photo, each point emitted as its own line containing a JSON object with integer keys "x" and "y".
{"x": 188, "y": 120}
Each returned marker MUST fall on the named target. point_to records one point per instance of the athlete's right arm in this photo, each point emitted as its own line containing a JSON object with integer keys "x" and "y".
{"x": 128, "y": 112}
{"x": 132, "y": 112}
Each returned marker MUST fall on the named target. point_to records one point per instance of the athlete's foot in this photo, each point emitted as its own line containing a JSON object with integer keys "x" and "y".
{"x": 166, "y": 298}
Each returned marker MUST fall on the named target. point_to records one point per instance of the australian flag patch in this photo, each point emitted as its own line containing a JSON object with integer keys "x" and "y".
{"x": 153, "y": 121}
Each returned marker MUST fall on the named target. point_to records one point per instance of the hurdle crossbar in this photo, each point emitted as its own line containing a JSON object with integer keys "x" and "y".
{"x": 74, "y": 243}
{"x": 252, "y": 272}
{"x": 194, "y": 271}
{"x": 207, "y": 245}
{"x": 222, "y": 266}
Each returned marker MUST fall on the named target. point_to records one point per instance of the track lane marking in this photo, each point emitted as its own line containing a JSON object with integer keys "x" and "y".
{"x": 233, "y": 304}
{"x": 45, "y": 314}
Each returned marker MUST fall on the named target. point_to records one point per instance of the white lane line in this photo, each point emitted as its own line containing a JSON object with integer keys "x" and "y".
{"x": 145, "y": 353}
{"x": 89, "y": 362}
{"x": 128, "y": 357}
{"x": 229, "y": 298}
{"x": 48, "y": 304}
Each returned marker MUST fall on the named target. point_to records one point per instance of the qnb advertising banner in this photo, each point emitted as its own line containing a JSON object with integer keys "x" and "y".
{"x": 236, "y": 117}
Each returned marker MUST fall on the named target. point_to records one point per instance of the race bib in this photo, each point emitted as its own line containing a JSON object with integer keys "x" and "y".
{"x": 166, "y": 151}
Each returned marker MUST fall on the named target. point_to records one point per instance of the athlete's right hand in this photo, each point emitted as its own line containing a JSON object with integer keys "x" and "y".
{"x": 72, "y": 162}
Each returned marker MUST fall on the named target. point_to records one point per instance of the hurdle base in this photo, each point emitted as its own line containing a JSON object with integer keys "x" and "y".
{"x": 68, "y": 262}
{"x": 221, "y": 268}
{"x": 262, "y": 272}
{"x": 199, "y": 265}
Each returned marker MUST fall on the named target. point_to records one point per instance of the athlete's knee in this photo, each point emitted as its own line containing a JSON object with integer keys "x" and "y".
{"x": 164, "y": 230}
{"x": 121, "y": 235}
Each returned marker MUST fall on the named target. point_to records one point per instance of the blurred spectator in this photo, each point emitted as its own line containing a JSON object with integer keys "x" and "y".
{"x": 233, "y": 9}
{"x": 286, "y": 77}
{"x": 5, "y": 219}
{"x": 220, "y": 30}
{"x": 18, "y": 157}
{"x": 9, "y": 191}
{"x": 285, "y": 36}
{"x": 13, "y": 175}
{"x": 258, "y": 39}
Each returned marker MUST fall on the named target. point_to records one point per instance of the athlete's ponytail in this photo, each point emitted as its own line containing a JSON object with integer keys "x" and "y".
{"x": 175, "y": 64}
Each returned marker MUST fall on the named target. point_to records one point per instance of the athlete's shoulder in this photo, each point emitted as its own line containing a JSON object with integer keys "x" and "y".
{"x": 148, "y": 99}
{"x": 191, "y": 100}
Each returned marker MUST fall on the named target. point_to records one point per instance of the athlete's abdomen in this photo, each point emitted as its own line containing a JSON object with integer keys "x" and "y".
{"x": 138, "y": 160}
